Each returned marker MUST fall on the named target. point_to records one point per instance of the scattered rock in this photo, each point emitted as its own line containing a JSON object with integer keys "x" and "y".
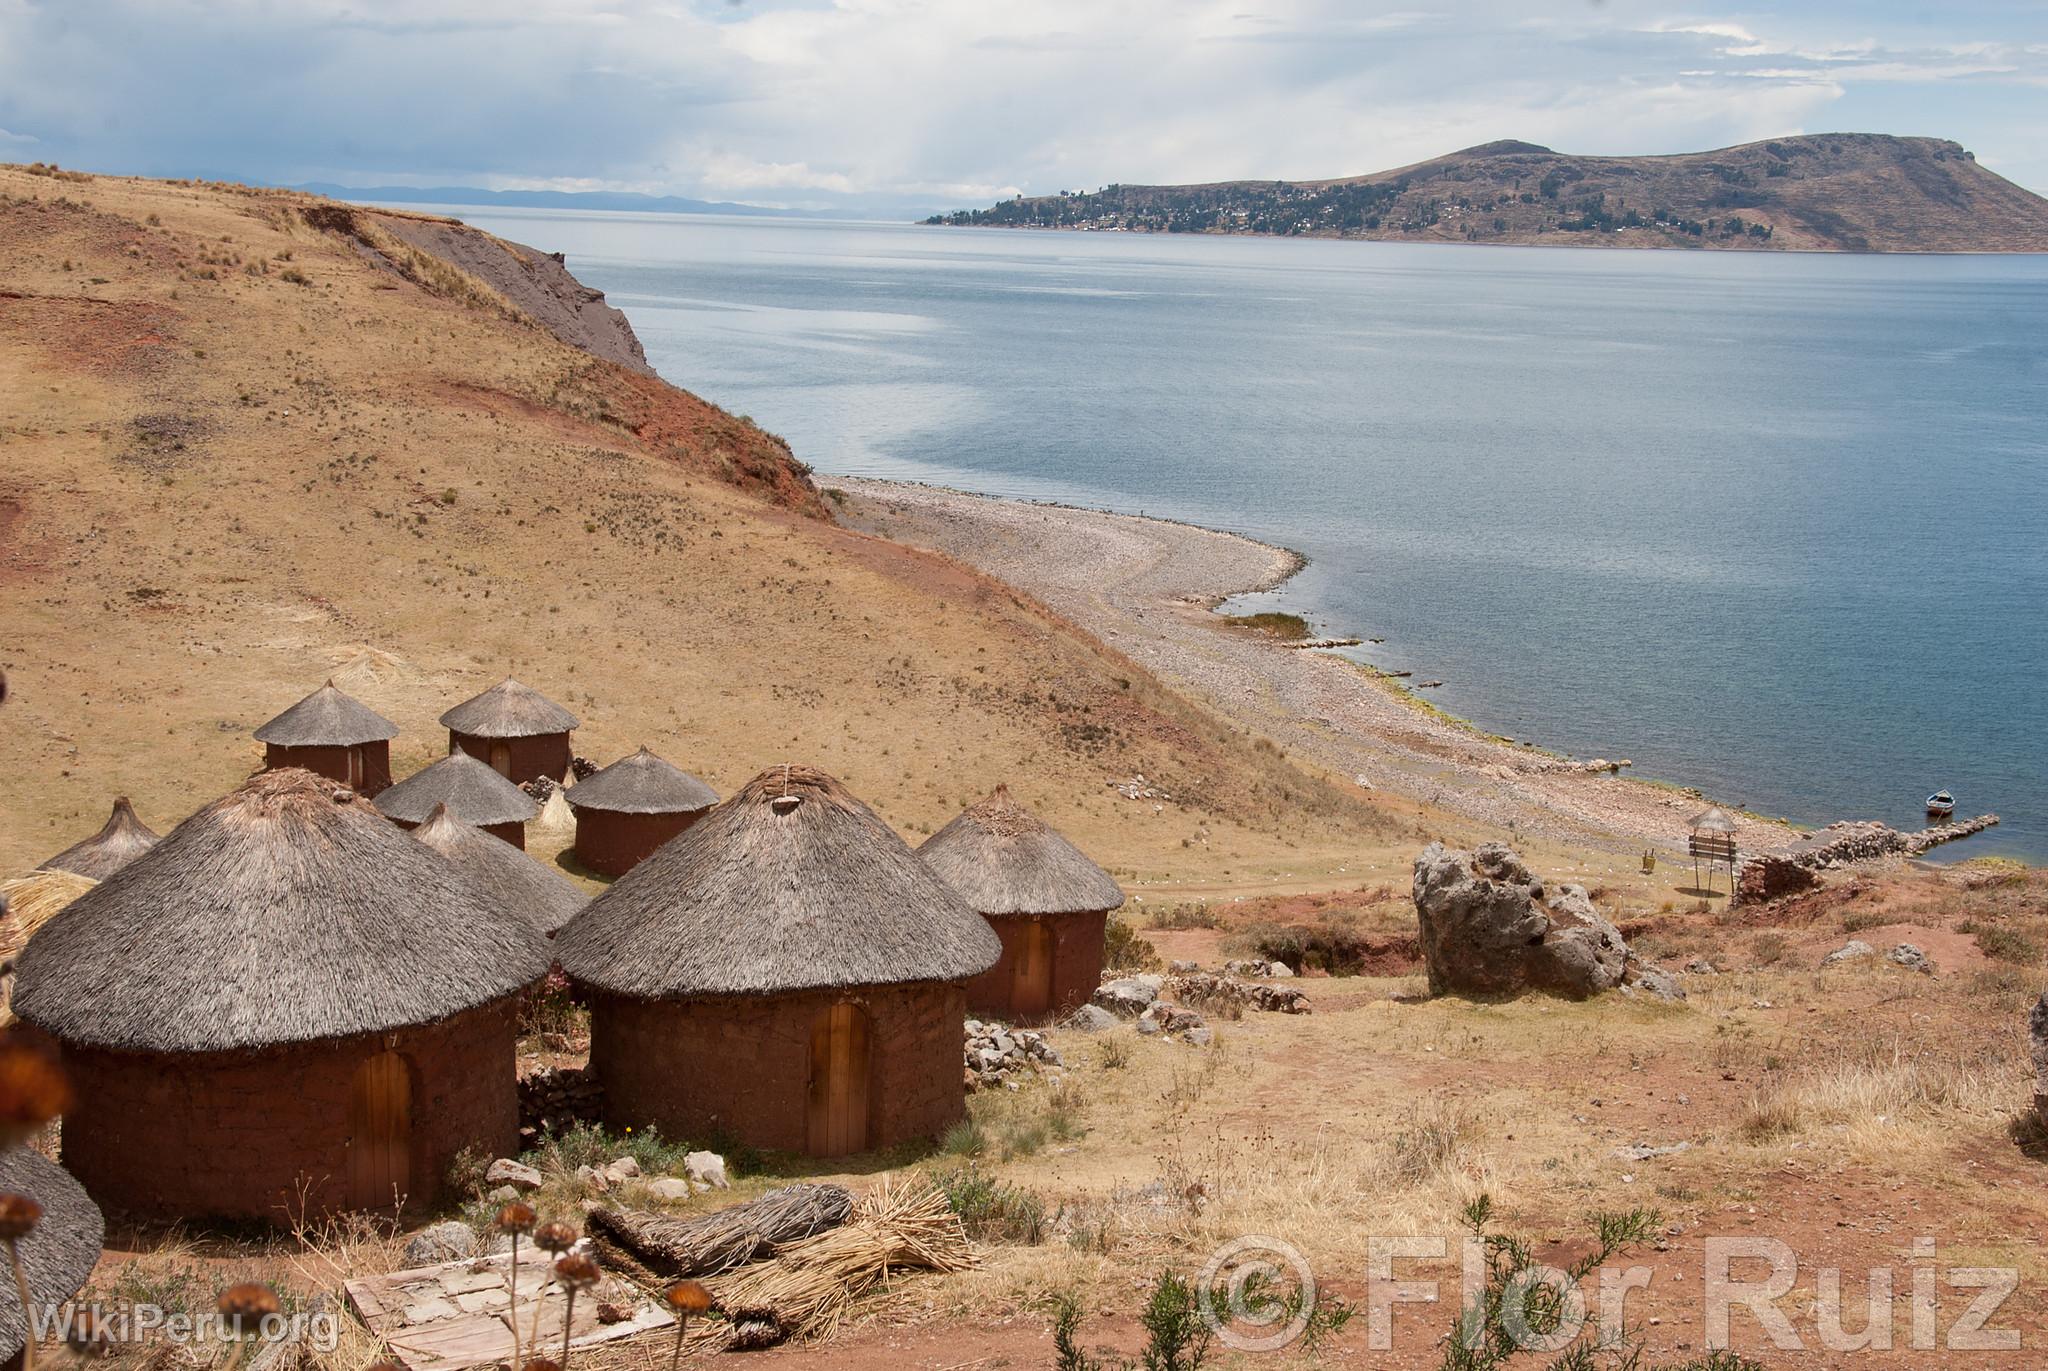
{"x": 503, "y": 1195}
{"x": 1182, "y": 967}
{"x": 441, "y": 1242}
{"x": 1125, "y": 998}
{"x": 670, "y": 1188}
{"x": 1279, "y": 971}
{"x": 1642, "y": 1152}
{"x": 519, "y": 1175}
{"x": 1174, "y": 1021}
{"x": 706, "y": 1169}
{"x": 996, "y": 1055}
{"x": 621, "y": 1170}
{"x": 1700, "y": 966}
{"x": 1912, "y": 958}
{"x": 1490, "y": 928}
{"x": 593, "y": 1179}
{"x": 1850, "y": 951}
{"x": 1220, "y": 993}
{"x": 2037, "y": 1027}
{"x": 1091, "y": 1018}
{"x": 1653, "y": 981}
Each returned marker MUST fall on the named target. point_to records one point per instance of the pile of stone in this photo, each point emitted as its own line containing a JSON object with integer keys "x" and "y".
{"x": 1279, "y": 971}
{"x": 1174, "y": 1021}
{"x": 997, "y": 1055}
{"x": 1129, "y": 996}
{"x": 1788, "y": 871}
{"x": 555, "y": 1098}
{"x": 1490, "y": 927}
{"x": 1598, "y": 766}
{"x": 1204, "y": 988}
{"x": 1909, "y": 955}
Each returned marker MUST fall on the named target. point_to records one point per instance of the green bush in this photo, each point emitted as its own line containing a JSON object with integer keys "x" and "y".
{"x": 991, "y": 1210}
{"x": 1124, "y": 950}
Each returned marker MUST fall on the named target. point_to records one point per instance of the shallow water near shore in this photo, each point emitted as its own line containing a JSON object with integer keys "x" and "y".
{"x": 1771, "y": 525}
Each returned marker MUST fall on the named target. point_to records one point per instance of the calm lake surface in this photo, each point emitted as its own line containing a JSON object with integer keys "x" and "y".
{"x": 1772, "y": 525}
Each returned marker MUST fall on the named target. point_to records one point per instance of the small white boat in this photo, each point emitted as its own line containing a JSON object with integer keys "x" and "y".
{"x": 1941, "y": 804}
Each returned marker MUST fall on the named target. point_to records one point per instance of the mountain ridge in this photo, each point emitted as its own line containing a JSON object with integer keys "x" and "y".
{"x": 1836, "y": 192}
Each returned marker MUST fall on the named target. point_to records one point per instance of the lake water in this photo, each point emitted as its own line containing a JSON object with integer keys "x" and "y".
{"x": 1772, "y": 525}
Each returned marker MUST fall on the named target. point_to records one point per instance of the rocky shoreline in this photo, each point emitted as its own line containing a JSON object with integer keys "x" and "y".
{"x": 1149, "y": 587}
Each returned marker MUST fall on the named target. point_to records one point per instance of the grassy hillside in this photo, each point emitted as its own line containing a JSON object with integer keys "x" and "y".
{"x": 1847, "y": 192}
{"x": 255, "y": 439}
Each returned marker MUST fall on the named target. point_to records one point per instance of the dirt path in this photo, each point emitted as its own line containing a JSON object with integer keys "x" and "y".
{"x": 1148, "y": 587}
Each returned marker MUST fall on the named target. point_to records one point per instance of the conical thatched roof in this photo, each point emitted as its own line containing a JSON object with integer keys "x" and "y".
{"x": 642, "y": 784}
{"x": 28, "y": 902}
{"x": 515, "y": 881}
{"x": 327, "y": 718}
{"x": 121, "y": 841}
{"x": 791, "y": 884}
{"x": 472, "y": 791}
{"x": 287, "y": 911}
{"x": 508, "y": 710}
{"x": 58, "y": 1255}
{"x": 1715, "y": 820}
{"x": 1003, "y": 859}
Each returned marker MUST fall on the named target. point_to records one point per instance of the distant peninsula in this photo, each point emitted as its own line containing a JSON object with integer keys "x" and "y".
{"x": 1830, "y": 192}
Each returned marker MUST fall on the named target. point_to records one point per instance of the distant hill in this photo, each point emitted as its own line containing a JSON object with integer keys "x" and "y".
{"x": 1833, "y": 192}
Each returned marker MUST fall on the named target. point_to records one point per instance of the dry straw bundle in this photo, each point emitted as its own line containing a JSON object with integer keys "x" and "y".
{"x": 806, "y": 1290}
{"x": 716, "y": 1243}
{"x": 29, "y": 901}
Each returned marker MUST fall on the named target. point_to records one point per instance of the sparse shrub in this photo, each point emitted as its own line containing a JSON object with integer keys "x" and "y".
{"x": 295, "y": 276}
{"x": 2003, "y": 943}
{"x": 1769, "y": 948}
{"x": 1124, "y": 950}
{"x": 1114, "y": 1053}
{"x": 964, "y": 1139}
{"x": 1438, "y": 1134}
{"x": 465, "y": 1174}
{"x": 588, "y": 1144}
{"x": 1857, "y": 920}
{"x": 991, "y": 1210}
{"x": 1182, "y": 917}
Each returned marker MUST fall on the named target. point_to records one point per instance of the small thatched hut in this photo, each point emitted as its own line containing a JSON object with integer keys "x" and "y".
{"x": 515, "y": 730}
{"x": 473, "y": 793}
{"x": 632, "y": 807}
{"x": 123, "y": 838}
{"x": 285, "y": 992}
{"x": 1047, "y": 902}
{"x": 58, "y": 1255}
{"x": 516, "y": 882}
{"x": 333, "y": 735}
{"x": 787, "y": 973}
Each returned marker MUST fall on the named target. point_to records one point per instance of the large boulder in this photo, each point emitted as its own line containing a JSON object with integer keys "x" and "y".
{"x": 1489, "y": 927}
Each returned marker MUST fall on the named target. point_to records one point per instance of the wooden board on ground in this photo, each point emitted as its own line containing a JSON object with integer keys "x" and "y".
{"x": 453, "y": 1315}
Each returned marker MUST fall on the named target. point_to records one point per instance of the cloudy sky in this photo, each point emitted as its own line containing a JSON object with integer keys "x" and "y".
{"x": 874, "y": 103}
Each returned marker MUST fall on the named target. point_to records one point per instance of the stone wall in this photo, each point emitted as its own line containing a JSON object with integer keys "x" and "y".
{"x": 737, "y": 1068}
{"x": 613, "y": 843}
{"x": 234, "y": 1135}
{"x": 1076, "y": 966}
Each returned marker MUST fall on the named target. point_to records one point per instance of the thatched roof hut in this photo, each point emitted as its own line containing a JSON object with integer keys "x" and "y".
{"x": 120, "y": 841}
{"x": 333, "y": 735}
{"x": 28, "y": 902}
{"x": 285, "y": 986}
{"x": 515, "y": 730}
{"x": 513, "y": 880}
{"x": 787, "y": 971}
{"x": 508, "y": 709}
{"x": 632, "y": 807}
{"x": 58, "y": 1256}
{"x": 327, "y": 718}
{"x": 472, "y": 792}
{"x": 1004, "y": 860}
{"x": 1715, "y": 820}
{"x": 1047, "y": 901}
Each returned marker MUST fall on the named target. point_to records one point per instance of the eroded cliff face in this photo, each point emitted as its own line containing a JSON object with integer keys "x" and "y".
{"x": 537, "y": 284}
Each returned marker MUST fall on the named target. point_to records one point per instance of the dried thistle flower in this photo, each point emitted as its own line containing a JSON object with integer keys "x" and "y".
{"x": 685, "y": 1298}
{"x": 554, "y": 1237}
{"x": 517, "y": 1218}
{"x": 246, "y": 1305}
{"x": 577, "y": 1272}
{"x": 19, "y": 1216}
{"x": 33, "y": 1091}
{"x": 542, "y": 1364}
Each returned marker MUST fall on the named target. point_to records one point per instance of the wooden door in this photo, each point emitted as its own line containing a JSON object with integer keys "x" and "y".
{"x": 355, "y": 768}
{"x": 501, "y": 759}
{"x": 839, "y": 1081}
{"x": 380, "y": 1133}
{"x": 1031, "y": 970}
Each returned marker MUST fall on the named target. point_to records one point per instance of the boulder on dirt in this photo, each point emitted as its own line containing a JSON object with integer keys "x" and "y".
{"x": 1173, "y": 1021}
{"x": 1653, "y": 981}
{"x": 706, "y": 1169}
{"x": 1091, "y": 1018}
{"x": 1912, "y": 957}
{"x": 1126, "y": 998}
{"x": 505, "y": 1171}
{"x": 1489, "y": 927}
{"x": 447, "y": 1241}
{"x": 1853, "y": 950}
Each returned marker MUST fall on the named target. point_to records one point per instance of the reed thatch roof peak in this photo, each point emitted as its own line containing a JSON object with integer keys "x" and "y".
{"x": 327, "y": 718}
{"x": 1715, "y": 820}
{"x": 472, "y": 791}
{"x": 122, "y": 839}
{"x": 287, "y": 911}
{"x": 58, "y": 1255}
{"x": 1003, "y": 859}
{"x": 521, "y": 885}
{"x": 642, "y": 784}
{"x": 792, "y": 884}
{"x": 508, "y": 709}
